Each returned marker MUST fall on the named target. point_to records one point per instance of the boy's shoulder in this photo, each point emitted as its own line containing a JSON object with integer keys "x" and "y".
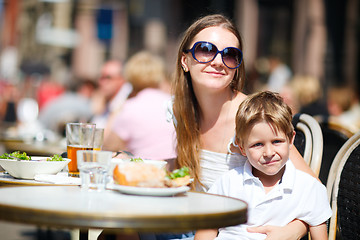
{"x": 302, "y": 179}
{"x": 301, "y": 175}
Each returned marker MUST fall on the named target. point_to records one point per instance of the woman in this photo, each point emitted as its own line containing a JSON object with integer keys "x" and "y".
{"x": 141, "y": 126}
{"x": 208, "y": 82}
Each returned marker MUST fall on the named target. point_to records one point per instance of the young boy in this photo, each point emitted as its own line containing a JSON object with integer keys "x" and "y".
{"x": 275, "y": 191}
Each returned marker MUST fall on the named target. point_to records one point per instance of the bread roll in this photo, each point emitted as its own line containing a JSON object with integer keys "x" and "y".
{"x": 178, "y": 182}
{"x": 139, "y": 174}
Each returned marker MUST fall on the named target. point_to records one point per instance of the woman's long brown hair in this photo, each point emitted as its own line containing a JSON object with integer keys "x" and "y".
{"x": 186, "y": 107}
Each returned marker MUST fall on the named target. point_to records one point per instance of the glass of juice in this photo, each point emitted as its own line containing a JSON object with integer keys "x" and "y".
{"x": 79, "y": 136}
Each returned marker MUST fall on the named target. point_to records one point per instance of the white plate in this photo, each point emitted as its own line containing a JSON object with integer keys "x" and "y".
{"x": 148, "y": 191}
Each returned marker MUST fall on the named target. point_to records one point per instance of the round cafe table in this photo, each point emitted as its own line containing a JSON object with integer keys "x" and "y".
{"x": 70, "y": 207}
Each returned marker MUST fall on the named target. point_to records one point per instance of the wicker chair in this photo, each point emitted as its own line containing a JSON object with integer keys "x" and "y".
{"x": 309, "y": 140}
{"x": 334, "y": 136}
{"x": 343, "y": 188}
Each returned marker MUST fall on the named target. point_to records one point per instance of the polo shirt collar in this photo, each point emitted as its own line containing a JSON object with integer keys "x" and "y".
{"x": 287, "y": 181}
{"x": 248, "y": 176}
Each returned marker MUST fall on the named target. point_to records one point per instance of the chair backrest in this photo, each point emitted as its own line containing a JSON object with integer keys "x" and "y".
{"x": 303, "y": 141}
{"x": 343, "y": 188}
{"x": 335, "y": 125}
{"x": 300, "y": 140}
{"x": 334, "y": 138}
{"x": 309, "y": 140}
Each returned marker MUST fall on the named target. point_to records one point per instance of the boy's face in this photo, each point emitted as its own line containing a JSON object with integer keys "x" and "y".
{"x": 266, "y": 150}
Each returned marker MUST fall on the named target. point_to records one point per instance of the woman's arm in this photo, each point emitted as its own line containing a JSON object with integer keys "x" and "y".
{"x": 294, "y": 230}
{"x": 206, "y": 234}
{"x": 319, "y": 232}
{"x": 112, "y": 142}
{"x": 299, "y": 161}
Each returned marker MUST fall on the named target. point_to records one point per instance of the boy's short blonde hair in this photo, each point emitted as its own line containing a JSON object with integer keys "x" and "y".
{"x": 263, "y": 106}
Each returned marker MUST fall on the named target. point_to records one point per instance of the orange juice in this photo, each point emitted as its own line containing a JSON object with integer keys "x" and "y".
{"x": 71, "y": 151}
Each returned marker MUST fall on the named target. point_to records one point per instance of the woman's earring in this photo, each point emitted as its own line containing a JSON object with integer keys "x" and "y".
{"x": 185, "y": 70}
{"x": 232, "y": 142}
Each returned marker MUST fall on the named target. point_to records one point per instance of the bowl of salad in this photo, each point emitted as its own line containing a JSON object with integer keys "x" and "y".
{"x": 20, "y": 165}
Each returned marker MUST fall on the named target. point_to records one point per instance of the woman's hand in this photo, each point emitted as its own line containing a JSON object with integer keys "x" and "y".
{"x": 294, "y": 230}
{"x": 206, "y": 234}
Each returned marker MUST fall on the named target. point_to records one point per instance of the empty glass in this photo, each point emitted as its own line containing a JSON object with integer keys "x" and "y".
{"x": 94, "y": 166}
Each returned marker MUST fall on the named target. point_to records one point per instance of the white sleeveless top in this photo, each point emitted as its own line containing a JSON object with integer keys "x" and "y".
{"x": 214, "y": 164}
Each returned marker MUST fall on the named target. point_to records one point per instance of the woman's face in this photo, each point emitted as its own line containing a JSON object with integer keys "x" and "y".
{"x": 213, "y": 75}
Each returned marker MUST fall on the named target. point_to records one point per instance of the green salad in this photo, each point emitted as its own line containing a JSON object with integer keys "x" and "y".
{"x": 17, "y": 154}
{"x": 136, "y": 160}
{"x": 24, "y": 156}
{"x": 178, "y": 173}
{"x": 55, "y": 157}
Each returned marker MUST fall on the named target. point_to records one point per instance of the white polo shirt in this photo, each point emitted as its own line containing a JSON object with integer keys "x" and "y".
{"x": 297, "y": 196}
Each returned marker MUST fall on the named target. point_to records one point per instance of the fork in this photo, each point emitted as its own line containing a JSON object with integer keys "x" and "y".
{"x": 10, "y": 156}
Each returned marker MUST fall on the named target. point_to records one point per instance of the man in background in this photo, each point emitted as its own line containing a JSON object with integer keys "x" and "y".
{"x": 73, "y": 105}
{"x": 113, "y": 91}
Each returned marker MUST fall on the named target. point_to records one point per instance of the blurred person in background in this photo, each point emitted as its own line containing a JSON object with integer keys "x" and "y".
{"x": 141, "y": 126}
{"x": 9, "y": 96}
{"x": 279, "y": 74}
{"x": 47, "y": 91}
{"x": 344, "y": 107}
{"x": 308, "y": 96}
{"x": 112, "y": 92}
{"x": 72, "y": 106}
{"x": 289, "y": 97}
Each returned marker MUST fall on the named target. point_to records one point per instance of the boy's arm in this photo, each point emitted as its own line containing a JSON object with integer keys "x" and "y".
{"x": 318, "y": 232}
{"x": 206, "y": 234}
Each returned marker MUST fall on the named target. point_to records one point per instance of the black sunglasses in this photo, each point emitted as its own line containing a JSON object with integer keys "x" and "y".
{"x": 205, "y": 52}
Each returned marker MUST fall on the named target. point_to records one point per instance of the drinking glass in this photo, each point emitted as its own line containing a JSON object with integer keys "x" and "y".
{"x": 79, "y": 136}
{"x": 94, "y": 166}
{"x": 98, "y": 138}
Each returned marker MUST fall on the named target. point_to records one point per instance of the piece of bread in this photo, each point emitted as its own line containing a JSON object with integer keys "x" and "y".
{"x": 139, "y": 174}
{"x": 178, "y": 182}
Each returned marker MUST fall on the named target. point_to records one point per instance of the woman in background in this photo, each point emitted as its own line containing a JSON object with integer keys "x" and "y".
{"x": 141, "y": 126}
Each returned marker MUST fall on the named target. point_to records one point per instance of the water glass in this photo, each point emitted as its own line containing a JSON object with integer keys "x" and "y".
{"x": 79, "y": 136}
{"x": 94, "y": 166}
